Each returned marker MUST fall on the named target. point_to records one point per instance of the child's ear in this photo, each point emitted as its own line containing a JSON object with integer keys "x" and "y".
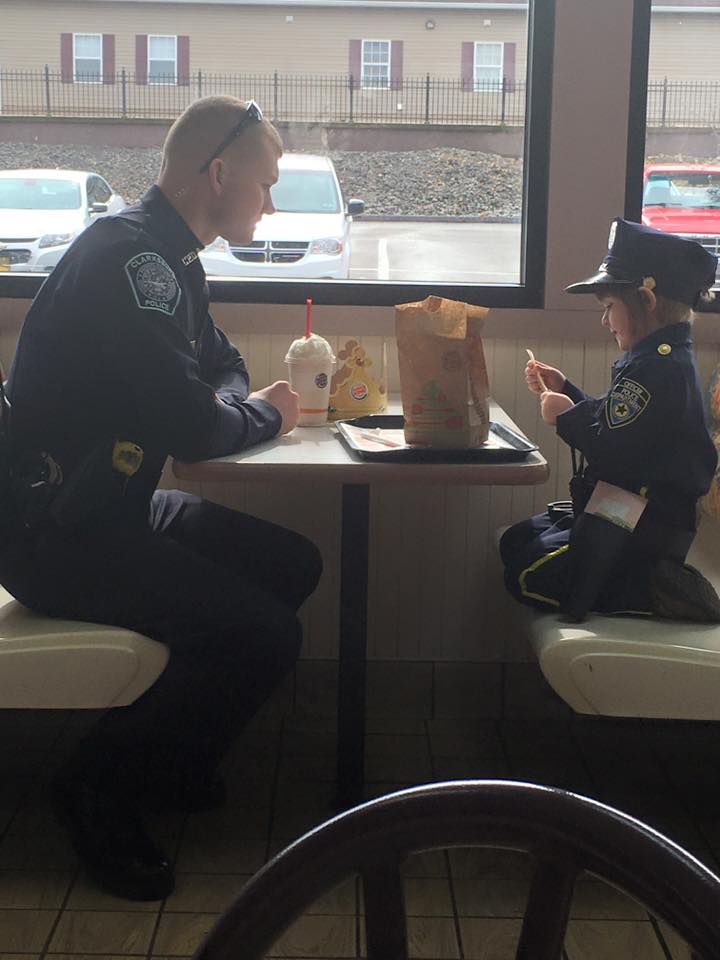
{"x": 648, "y": 298}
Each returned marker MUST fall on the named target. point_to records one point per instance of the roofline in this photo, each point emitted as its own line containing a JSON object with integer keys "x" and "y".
{"x": 391, "y": 4}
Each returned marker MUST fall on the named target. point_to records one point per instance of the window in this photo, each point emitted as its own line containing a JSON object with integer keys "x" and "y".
{"x": 98, "y": 191}
{"x": 403, "y": 176}
{"x": 30, "y": 193}
{"x": 87, "y": 58}
{"x": 488, "y": 72}
{"x": 675, "y": 90}
{"x": 162, "y": 59}
{"x": 375, "y": 64}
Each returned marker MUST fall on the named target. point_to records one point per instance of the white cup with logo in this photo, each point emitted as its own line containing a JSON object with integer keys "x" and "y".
{"x": 310, "y": 363}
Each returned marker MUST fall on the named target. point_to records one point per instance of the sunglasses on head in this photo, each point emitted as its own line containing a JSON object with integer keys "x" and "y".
{"x": 253, "y": 114}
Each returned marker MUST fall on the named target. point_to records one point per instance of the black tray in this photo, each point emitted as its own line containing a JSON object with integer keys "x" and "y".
{"x": 504, "y": 445}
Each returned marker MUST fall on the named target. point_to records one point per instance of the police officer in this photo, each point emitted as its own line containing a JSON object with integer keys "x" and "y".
{"x": 119, "y": 366}
{"x": 647, "y": 435}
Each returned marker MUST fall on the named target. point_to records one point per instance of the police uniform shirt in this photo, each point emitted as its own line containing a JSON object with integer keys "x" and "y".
{"x": 119, "y": 344}
{"x": 648, "y": 433}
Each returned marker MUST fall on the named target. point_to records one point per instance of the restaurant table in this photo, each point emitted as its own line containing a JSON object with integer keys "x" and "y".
{"x": 318, "y": 453}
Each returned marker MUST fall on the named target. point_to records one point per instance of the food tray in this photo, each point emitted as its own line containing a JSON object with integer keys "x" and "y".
{"x": 503, "y": 445}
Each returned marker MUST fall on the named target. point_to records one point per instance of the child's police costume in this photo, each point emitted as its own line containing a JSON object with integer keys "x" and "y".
{"x": 119, "y": 366}
{"x": 646, "y": 435}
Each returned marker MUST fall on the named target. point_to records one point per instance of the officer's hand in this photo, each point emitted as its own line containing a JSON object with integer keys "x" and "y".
{"x": 281, "y": 395}
{"x": 553, "y": 378}
{"x": 553, "y": 404}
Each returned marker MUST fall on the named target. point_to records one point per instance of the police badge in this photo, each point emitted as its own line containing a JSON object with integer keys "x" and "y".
{"x": 625, "y": 403}
{"x": 153, "y": 283}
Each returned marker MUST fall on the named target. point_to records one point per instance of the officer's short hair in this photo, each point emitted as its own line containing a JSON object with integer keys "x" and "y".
{"x": 204, "y": 124}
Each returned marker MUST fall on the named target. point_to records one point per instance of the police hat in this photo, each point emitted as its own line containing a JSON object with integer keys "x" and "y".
{"x": 638, "y": 256}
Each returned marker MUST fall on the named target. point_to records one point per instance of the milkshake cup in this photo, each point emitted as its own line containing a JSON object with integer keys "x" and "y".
{"x": 310, "y": 363}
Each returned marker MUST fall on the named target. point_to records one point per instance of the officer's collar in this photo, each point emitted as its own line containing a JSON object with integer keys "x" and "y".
{"x": 173, "y": 228}
{"x": 676, "y": 334}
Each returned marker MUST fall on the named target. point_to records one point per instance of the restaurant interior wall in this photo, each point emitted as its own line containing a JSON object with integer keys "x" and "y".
{"x": 435, "y": 582}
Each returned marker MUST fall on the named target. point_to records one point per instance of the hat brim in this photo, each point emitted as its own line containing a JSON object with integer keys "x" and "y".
{"x": 601, "y": 279}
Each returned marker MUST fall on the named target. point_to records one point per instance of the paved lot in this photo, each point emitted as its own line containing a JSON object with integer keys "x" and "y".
{"x": 455, "y": 252}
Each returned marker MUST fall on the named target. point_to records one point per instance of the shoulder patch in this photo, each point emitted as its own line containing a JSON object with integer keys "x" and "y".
{"x": 153, "y": 283}
{"x": 625, "y": 403}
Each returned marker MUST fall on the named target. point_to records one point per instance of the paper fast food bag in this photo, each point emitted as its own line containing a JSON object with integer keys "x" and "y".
{"x": 443, "y": 376}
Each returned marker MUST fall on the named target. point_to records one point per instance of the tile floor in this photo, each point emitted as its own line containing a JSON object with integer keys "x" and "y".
{"x": 463, "y": 904}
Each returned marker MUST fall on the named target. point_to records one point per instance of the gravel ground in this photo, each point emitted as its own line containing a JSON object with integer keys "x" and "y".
{"x": 444, "y": 182}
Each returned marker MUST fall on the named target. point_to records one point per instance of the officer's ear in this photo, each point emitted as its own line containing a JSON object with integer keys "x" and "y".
{"x": 216, "y": 175}
{"x": 648, "y": 299}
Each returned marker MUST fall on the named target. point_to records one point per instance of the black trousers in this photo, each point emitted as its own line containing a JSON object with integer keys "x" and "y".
{"x": 220, "y": 588}
{"x": 539, "y": 561}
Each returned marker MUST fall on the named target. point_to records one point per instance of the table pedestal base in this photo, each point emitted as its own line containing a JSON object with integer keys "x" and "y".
{"x": 353, "y": 643}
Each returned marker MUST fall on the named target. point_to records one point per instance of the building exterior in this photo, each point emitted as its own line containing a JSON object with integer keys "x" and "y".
{"x": 390, "y": 60}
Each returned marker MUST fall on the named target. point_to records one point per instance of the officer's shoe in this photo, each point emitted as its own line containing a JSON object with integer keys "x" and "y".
{"x": 187, "y": 796}
{"x": 110, "y": 840}
{"x": 680, "y": 592}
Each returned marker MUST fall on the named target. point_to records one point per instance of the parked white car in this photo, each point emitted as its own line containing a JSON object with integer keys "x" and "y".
{"x": 307, "y": 237}
{"x": 42, "y": 211}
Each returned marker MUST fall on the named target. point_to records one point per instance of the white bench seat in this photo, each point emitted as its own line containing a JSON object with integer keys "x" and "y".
{"x": 64, "y": 664}
{"x": 636, "y": 666}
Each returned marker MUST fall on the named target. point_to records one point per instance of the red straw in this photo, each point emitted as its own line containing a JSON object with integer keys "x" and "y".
{"x": 308, "y": 305}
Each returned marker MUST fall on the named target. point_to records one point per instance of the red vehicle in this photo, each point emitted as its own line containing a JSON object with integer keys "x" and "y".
{"x": 684, "y": 198}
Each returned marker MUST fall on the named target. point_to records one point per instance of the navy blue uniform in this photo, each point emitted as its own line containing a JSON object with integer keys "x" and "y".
{"x": 119, "y": 345}
{"x": 646, "y": 435}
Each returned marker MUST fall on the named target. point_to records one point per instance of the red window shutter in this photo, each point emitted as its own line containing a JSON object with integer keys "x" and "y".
{"x": 183, "y": 61}
{"x": 509, "y": 66}
{"x": 108, "y": 57}
{"x": 467, "y": 65}
{"x": 355, "y": 61}
{"x": 66, "y": 57}
{"x": 396, "y": 64}
{"x": 141, "y": 58}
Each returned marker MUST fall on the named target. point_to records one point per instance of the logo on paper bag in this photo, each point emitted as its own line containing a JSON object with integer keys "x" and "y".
{"x": 452, "y": 361}
{"x": 626, "y": 402}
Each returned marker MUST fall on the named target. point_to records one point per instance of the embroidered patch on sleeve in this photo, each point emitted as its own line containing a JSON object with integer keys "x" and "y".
{"x": 626, "y": 402}
{"x": 153, "y": 283}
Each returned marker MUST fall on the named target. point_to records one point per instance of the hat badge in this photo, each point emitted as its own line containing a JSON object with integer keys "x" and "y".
{"x": 649, "y": 283}
{"x": 664, "y": 349}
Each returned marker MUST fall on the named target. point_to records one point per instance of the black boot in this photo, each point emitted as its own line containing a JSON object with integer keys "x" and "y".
{"x": 109, "y": 838}
{"x": 680, "y": 592}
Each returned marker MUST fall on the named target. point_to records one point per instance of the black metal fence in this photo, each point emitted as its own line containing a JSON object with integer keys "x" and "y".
{"x": 327, "y": 99}
{"x": 308, "y": 99}
{"x": 684, "y": 103}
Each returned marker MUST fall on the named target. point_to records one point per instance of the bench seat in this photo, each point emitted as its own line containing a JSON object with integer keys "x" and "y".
{"x": 64, "y": 664}
{"x": 636, "y": 666}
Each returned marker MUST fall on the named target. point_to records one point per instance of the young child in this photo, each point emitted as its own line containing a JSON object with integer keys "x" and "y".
{"x": 647, "y": 435}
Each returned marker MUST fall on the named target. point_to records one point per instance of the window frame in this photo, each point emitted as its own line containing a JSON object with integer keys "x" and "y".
{"x": 637, "y": 112}
{"x": 99, "y": 80}
{"x": 529, "y": 293}
{"x": 488, "y": 87}
{"x": 162, "y": 83}
{"x": 388, "y": 78}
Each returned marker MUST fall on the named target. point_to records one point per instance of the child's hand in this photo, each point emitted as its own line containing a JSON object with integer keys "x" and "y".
{"x": 553, "y": 404}
{"x": 552, "y": 379}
